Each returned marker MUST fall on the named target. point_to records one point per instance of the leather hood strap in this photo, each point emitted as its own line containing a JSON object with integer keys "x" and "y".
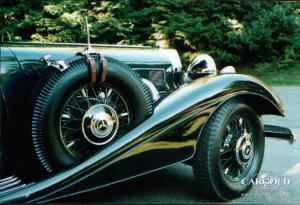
{"x": 103, "y": 63}
{"x": 93, "y": 72}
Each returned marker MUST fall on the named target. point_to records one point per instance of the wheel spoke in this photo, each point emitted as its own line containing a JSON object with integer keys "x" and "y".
{"x": 76, "y": 108}
{"x": 70, "y": 131}
{"x": 102, "y": 96}
{"x": 236, "y": 138}
{"x": 74, "y": 98}
{"x": 71, "y": 119}
{"x": 124, "y": 114}
{"x": 117, "y": 98}
{"x": 241, "y": 121}
{"x": 123, "y": 125}
{"x": 225, "y": 161}
{"x": 69, "y": 128}
{"x": 229, "y": 150}
{"x": 231, "y": 172}
{"x": 71, "y": 144}
{"x": 109, "y": 92}
{"x": 84, "y": 93}
{"x": 96, "y": 96}
{"x": 87, "y": 100}
{"x": 227, "y": 169}
{"x": 83, "y": 147}
{"x": 66, "y": 116}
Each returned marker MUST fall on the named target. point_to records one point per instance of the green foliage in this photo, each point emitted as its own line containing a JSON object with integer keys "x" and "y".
{"x": 268, "y": 37}
{"x": 233, "y": 32}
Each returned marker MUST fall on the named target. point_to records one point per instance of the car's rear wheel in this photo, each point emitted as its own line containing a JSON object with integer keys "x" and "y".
{"x": 72, "y": 121}
{"x": 229, "y": 152}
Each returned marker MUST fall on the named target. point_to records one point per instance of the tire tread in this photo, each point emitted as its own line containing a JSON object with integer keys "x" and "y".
{"x": 46, "y": 90}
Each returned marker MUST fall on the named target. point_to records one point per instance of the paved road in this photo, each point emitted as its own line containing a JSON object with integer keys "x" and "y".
{"x": 176, "y": 185}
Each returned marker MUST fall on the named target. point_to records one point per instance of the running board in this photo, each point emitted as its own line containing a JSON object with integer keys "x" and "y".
{"x": 279, "y": 133}
{"x": 10, "y": 184}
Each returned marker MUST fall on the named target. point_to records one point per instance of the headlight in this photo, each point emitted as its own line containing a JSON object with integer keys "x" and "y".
{"x": 202, "y": 65}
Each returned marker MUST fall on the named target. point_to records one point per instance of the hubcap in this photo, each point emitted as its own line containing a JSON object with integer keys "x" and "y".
{"x": 91, "y": 118}
{"x": 237, "y": 149}
{"x": 244, "y": 149}
{"x": 100, "y": 124}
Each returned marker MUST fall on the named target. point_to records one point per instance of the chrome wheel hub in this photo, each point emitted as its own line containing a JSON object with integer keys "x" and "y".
{"x": 93, "y": 117}
{"x": 100, "y": 124}
{"x": 244, "y": 149}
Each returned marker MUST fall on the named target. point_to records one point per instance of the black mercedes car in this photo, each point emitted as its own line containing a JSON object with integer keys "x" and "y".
{"x": 75, "y": 120}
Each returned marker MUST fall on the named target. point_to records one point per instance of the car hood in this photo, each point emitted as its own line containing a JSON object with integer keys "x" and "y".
{"x": 126, "y": 54}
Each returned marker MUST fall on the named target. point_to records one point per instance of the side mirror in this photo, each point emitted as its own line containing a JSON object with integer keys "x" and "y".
{"x": 228, "y": 70}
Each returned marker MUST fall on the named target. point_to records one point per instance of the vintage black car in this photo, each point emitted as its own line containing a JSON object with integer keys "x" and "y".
{"x": 73, "y": 121}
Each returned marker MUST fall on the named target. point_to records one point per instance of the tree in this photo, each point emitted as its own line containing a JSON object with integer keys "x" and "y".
{"x": 238, "y": 32}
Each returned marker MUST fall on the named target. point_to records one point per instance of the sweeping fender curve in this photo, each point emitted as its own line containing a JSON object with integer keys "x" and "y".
{"x": 167, "y": 137}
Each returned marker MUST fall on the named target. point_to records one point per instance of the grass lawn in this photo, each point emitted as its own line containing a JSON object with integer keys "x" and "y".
{"x": 289, "y": 76}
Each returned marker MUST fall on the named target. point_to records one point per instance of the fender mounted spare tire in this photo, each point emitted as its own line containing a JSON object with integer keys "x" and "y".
{"x": 71, "y": 122}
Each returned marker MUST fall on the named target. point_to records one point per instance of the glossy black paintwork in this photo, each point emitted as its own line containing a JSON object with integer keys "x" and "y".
{"x": 16, "y": 86}
{"x": 21, "y": 70}
{"x": 169, "y": 136}
{"x": 139, "y": 59}
{"x": 2, "y": 125}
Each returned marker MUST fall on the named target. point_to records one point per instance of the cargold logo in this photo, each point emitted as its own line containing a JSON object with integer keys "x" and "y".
{"x": 266, "y": 181}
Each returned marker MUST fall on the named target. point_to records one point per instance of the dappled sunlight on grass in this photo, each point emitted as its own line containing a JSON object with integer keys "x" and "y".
{"x": 288, "y": 76}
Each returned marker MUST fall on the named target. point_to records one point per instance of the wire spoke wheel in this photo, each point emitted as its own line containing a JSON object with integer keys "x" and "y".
{"x": 71, "y": 122}
{"x": 92, "y": 118}
{"x": 237, "y": 149}
{"x": 230, "y": 149}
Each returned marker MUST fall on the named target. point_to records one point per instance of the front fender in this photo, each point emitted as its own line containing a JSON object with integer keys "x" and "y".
{"x": 167, "y": 137}
{"x": 219, "y": 89}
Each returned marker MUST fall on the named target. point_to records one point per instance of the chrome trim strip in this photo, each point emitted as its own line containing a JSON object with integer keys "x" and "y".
{"x": 7, "y": 178}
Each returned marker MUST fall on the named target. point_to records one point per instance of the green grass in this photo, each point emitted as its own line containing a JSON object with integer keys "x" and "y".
{"x": 283, "y": 76}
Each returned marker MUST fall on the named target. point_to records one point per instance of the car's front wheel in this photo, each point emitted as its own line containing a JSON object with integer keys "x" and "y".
{"x": 230, "y": 152}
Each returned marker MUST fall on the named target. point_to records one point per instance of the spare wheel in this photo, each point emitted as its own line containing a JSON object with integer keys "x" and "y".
{"x": 72, "y": 121}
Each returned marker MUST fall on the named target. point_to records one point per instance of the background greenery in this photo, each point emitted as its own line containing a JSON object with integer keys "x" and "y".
{"x": 262, "y": 38}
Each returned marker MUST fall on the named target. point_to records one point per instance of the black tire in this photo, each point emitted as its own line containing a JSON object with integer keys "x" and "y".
{"x": 214, "y": 181}
{"x": 56, "y": 89}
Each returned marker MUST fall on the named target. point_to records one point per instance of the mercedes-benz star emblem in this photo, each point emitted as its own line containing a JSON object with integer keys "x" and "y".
{"x": 101, "y": 125}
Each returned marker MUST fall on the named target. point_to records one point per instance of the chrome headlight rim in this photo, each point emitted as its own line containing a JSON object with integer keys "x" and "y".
{"x": 201, "y": 66}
